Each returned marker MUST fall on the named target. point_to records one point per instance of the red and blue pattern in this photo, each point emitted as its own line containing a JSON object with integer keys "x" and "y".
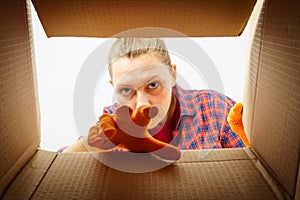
{"x": 203, "y": 120}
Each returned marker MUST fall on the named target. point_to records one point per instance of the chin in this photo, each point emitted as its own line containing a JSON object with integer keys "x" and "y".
{"x": 159, "y": 119}
{"x": 156, "y": 122}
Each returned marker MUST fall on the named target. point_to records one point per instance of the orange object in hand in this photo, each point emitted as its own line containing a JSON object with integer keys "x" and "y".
{"x": 128, "y": 129}
{"x": 235, "y": 121}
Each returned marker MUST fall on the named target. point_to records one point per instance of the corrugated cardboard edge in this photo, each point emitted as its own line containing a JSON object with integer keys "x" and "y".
{"x": 34, "y": 72}
{"x": 15, "y": 169}
{"x": 297, "y": 192}
{"x": 27, "y": 181}
{"x": 259, "y": 32}
{"x": 268, "y": 175}
{"x": 213, "y": 155}
{"x": 251, "y": 79}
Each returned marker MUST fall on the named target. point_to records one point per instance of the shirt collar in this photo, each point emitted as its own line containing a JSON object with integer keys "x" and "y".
{"x": 184, "y": 97}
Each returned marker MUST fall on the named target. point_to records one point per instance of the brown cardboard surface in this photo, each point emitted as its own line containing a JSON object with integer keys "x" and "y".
{"x": 143, "y": 163}
{"x": 19, "y": 128}
{"x": 81, "y": 176}
{"x": 252, "y": 70}
{"x": 31, "y": 175}
{"x": 297, "y": 195}
{"x": 107, "y": 18}
{"x": 210, "y": 174}
{"x": 276, "y": 128}
{"x": 217, "y": 155}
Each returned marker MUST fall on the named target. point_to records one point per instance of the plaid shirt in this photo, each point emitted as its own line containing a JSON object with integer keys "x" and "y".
{"x": 203, "y": 120}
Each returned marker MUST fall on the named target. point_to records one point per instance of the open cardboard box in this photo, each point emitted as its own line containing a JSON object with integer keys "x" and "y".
{"x": 269, "y": 169}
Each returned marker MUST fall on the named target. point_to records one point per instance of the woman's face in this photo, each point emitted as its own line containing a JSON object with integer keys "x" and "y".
{"x": 144, "y": 80}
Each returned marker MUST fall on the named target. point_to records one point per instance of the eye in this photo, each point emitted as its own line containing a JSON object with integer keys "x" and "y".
{"x": 153, "y": 85}
{"x": 125, "y": 91}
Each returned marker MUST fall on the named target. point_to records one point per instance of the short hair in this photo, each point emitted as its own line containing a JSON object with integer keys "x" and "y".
{"x": 134, "y": 47}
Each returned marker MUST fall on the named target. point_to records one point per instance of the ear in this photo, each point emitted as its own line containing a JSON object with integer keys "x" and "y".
{"x": 173, "y": 75}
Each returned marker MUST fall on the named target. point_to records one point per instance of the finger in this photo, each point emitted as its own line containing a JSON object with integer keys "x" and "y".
{"x": 97, "y": 138}
{"x": 93, "y": 135}
{"x": 235, "y": 114}
{"x": 125, "y": 122}
{"x": 238, "y": 108}
{"x": 103, "y": 144}
{"x": 144, "y": 113}
{"x": 107, "y": 125}
{"x": 94, "y": 129}
{"x": 93, "y": 132}
{"x": 123, "y": 114}
{"x": 108, "y": 128}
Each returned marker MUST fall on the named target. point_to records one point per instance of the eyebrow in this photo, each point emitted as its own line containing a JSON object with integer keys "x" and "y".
{"x": 123, "y": 85}
{"x": 150, "y": 79}
{"x": 129, "y": 86}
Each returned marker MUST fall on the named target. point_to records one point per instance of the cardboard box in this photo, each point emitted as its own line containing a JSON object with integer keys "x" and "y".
{"x": 269, "y": 169}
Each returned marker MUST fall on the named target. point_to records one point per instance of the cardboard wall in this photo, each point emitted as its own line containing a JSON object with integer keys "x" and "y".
{"x": 274, "y": 91}
{"x": 104, "y": 18}
{"x": 256, "y": 27}
{"x": 19, "y": 119}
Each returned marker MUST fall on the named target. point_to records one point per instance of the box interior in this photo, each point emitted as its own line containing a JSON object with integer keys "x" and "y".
{"x": 269, "y": 167}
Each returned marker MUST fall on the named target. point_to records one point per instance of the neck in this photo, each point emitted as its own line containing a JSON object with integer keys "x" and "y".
{"x": 172, "y": 108}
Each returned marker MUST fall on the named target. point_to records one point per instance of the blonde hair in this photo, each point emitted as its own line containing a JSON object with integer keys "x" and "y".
{"x": 134, "y": 47}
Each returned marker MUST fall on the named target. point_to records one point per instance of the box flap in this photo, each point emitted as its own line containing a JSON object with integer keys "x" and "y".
{"x": 82, "y": 176}
{"x": 19, "y": 121}
{"x": 107, "y": 18}
{"x": 276, "y": 78}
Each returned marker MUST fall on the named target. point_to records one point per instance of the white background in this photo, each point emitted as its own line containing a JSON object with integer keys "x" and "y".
{"x": 58, "y": 61}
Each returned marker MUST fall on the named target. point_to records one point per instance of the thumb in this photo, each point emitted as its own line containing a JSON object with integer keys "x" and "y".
{"x": 236, "y": 113}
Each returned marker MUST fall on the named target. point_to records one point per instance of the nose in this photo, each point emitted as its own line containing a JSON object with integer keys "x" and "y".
{"x": 142, "y": 99}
